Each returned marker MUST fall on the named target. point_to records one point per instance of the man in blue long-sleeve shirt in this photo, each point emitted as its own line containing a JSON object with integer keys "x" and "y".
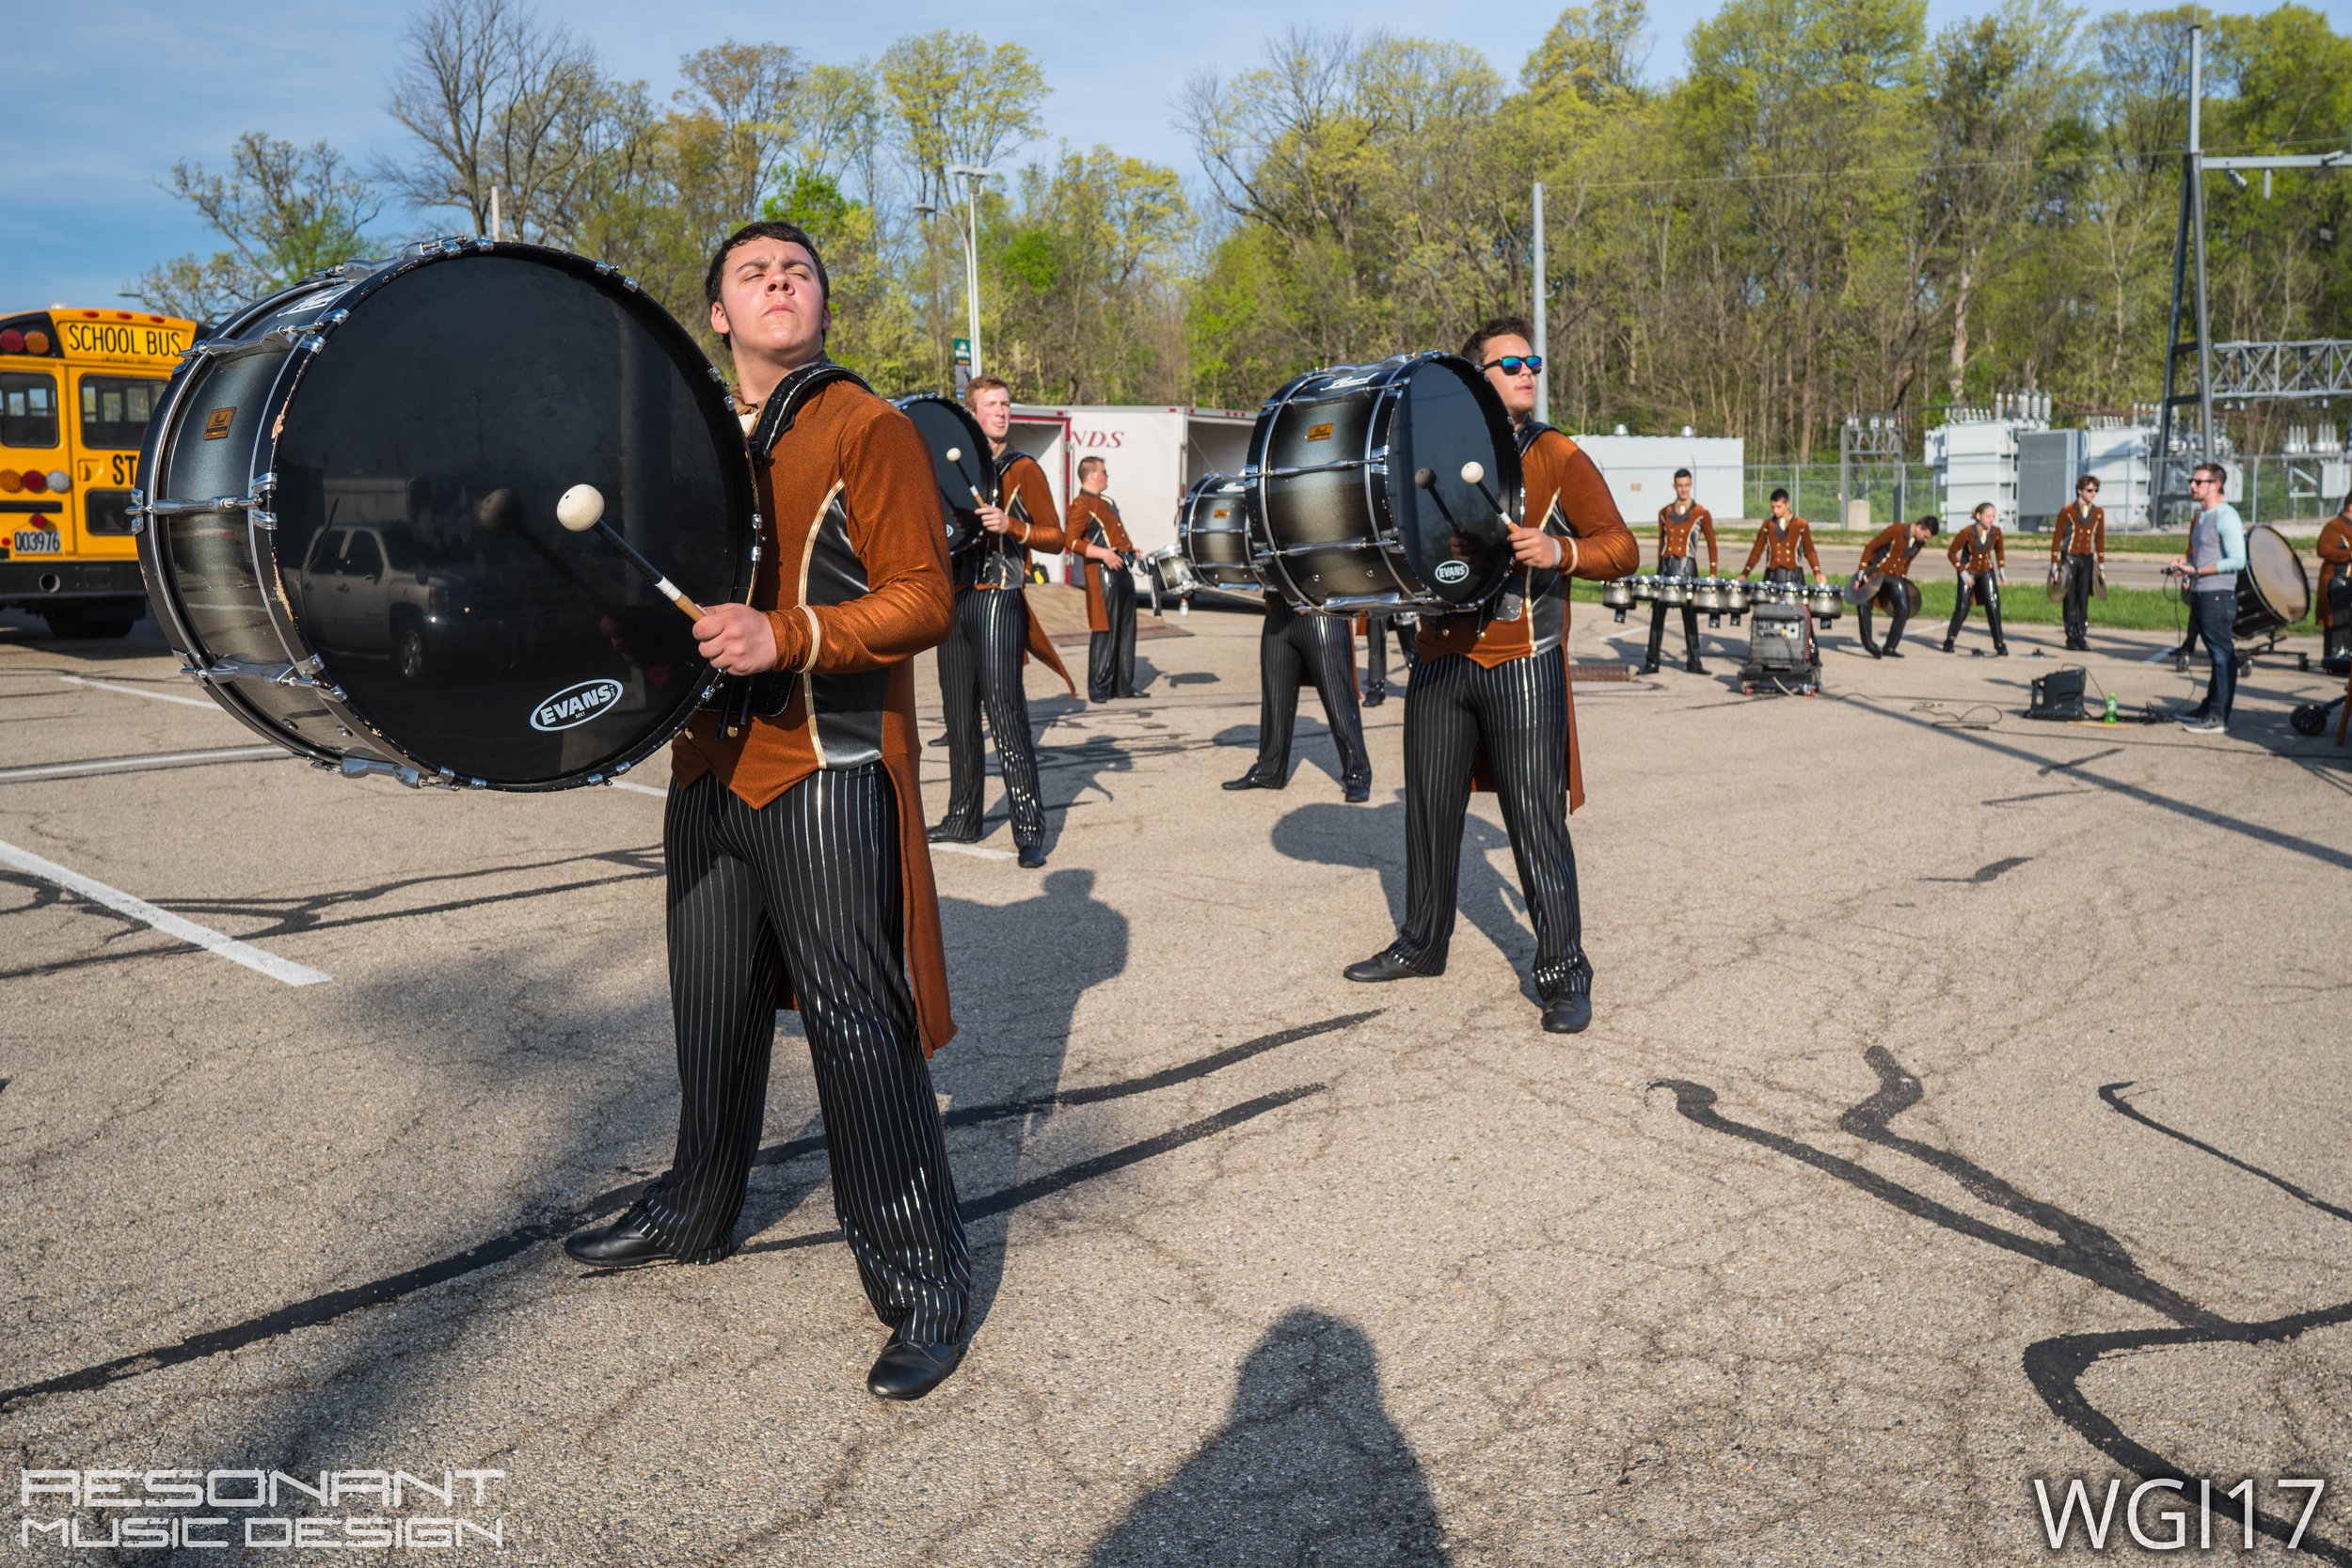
{"x": 2216, "y": 554}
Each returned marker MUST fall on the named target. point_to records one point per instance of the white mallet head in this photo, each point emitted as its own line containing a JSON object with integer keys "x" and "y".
{"x": 580, "y": 508}
{"x": 955, "y": 454}
{"x": 1472, "y": 472}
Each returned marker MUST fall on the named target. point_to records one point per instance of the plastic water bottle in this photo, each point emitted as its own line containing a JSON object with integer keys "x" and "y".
{"x": 2110, "y": 718}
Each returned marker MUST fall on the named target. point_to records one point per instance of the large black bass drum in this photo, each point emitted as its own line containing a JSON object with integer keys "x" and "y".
{"x": 2274, "y": 592}
{"x": 961, "y": 460}
{"x": 1213, "y": 532}
{"x": 349, "y": 530}
{"x": 1385, "y": 487}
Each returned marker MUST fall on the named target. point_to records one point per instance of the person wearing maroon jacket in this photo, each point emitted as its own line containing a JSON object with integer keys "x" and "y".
{"x": 1099, "y": 535}
{"x": 2078, "y": 547}
{"x": 1890, "y": 553}
{"x": 2335, "y": 585}
{"x": 995, "y": 633}
{"x": 1677, "y": 523}
{"x": 798, "y": 874}
{"x": 1977, "y": 554}
{"x": 1489, "y": 702}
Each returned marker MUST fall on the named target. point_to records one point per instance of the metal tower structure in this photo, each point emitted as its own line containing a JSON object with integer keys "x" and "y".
{"x": 2238, "y": 372}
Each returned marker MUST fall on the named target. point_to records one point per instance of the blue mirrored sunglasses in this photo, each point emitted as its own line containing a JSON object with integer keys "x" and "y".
{"x": 1511, "y": 364}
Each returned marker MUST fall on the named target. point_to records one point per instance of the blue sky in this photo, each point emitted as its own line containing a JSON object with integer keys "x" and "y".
{"x": 105, "y": 95}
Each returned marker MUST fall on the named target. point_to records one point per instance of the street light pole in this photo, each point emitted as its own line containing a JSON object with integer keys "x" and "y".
{"x": 971, "y": 178}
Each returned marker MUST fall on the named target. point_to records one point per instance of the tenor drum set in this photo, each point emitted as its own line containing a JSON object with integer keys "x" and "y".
{"x": 1719, "y": 597}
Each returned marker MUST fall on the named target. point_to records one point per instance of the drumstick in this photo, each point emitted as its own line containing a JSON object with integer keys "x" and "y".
{"x": 581, "y": 508}
{"x": 1474, "y": 474}
{"x": 955, "y": 454}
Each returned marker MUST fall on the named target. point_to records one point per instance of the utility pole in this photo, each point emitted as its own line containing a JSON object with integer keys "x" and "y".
{"x": 1543, "y": 377}
{"x": 971, "y": 178}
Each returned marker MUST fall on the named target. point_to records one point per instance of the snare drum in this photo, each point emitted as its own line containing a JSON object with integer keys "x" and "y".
{"x": 945, "y": 425}
{"x": 1358, "y": 494}
{"x": 348, "y": 527}
{"x": 1171, "y": 572}
{"x": 1212, "y": 532}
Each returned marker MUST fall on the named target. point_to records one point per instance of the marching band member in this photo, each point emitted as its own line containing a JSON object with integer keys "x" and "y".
{"x": 1099, "y": 534}
{"x": 2078, "y": 547}
{"x": 1490, "y": 699}
{"x": 1778, "y": 544}
{"x": 980, "y": 661}
{"x": 1979, "y": 556}
{"x": 1294, "y": 649}
{"x": 798, "y": 875}
{"x": 2335, "y": 584}
{"x": 1890, "y": 553}
{"x": 1376, "y": 631}
{"x": 1676, "y": 524}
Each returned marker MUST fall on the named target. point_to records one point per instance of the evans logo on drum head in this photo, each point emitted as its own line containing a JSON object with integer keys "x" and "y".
{"x": 575, "y": 705}
{"x": 1451, "y": 572}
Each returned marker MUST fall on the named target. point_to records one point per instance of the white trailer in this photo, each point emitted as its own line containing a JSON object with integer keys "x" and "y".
{"x": 1641, "y": 471}
{"x": 1154, "y": 454}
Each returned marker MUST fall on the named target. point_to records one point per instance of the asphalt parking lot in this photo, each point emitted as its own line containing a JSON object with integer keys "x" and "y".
{"x": 1966, "y": 1107}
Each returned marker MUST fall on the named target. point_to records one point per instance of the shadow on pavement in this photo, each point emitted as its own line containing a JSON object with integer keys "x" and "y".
{"x": 1308, "y": 1469}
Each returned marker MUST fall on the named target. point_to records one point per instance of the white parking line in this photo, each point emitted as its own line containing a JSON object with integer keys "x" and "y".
{"x": 975, "y": 850}
{"x": 163, "y": 920}
{"x": 641, "y": 789}
{"x": 112, "y": 765}
{"x": 135, "y": 692}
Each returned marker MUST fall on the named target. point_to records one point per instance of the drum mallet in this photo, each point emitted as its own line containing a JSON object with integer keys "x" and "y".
{"x": 581, "y": 508}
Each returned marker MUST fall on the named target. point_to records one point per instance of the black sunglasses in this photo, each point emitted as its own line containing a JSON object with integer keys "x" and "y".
{"x": 1511, "y": 364}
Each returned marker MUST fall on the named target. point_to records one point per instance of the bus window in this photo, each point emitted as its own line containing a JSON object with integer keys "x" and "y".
{"x": 28, "y": 410}
{"x": 115, "y": 410}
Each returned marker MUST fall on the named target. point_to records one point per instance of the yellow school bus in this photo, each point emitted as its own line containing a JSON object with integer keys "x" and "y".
{"x": 76, "y": 389}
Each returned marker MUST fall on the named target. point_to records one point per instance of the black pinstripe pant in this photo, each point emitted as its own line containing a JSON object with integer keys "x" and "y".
{"x": 1514, "y": 715}
{"x": 804, "y": 892}
{"x": 1111, "y": 655}
{"x": 1376, "y": 650}
{"x": 980, "y": 662}
{"x": 1317, "y": 648}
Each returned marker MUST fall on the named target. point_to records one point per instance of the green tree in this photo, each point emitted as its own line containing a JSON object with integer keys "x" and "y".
{"x": 285, "y": 212}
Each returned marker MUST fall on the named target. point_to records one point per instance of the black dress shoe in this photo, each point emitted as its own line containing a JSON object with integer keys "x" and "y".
{"x": 1390, "y": 964}
{"x": 1031, "y": 856}
{"x": 1373, "y": 699}
{"x": 1893, "y": 651}
{"x": 1872, "y": 649}
{"x": 945, "y": 833}
{"x": 1694, "y": 667}
{"x": 2000, "y": 650}
{"x": 628, "y": 1242}
{"x": 908, "y": 1371}
{"x": 1649, "y": 667}
{"x": 1567, "y": 1015}
{"x": 1947, "y": 644}
{"x": 1356, "y": 795}
{"x": 1251, "y": 780}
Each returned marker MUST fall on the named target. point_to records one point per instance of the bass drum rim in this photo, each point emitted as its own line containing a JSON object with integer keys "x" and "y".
{"x": 370, "y": 748}
{"x": 2257, "y": 614}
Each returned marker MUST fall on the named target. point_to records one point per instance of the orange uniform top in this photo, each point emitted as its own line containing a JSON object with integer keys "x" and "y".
{"x": 1096, "y": 518}
{"x": 853, "y": 579}
{"x": 1566, "y": 497}
{"x": 2335, "y": 555}
{"x": 1890, "y": 551}
{"x": 1778, "y": 545}
{"x": 2078, "y": 532}
{"x": 1674, "y": 533}
{"x": 1002, "y": 560}
{"x": 1971, "y": 551}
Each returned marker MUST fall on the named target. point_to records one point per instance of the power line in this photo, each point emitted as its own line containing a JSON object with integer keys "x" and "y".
{"x": 1920, "y": 169}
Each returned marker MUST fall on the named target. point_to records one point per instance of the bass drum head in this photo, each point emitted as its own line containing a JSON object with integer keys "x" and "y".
{"x": 2274, "y": 581}
{"x": 1446, "y": 415}
{"x": 421, "y": 458}
{"x": 945, "y": 425}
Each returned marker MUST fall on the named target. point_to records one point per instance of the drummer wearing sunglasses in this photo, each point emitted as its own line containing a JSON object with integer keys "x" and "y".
{"x": 1489, "y": 704}
{"x": 798, "y": 872}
